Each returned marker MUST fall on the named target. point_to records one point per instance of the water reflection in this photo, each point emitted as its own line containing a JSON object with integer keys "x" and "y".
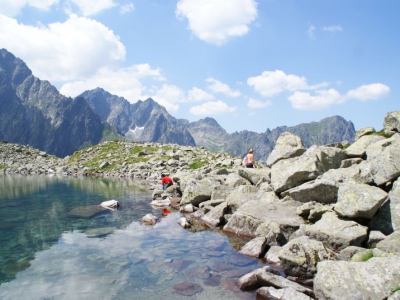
{"x": 47, "y": 254}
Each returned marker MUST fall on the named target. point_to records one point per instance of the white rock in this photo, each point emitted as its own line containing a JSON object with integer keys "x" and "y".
{"x": 183, "y": 222}
{"x": 110, "y": 204}
{"x": 162, "y": 202}
{"x": 149, "y": 219}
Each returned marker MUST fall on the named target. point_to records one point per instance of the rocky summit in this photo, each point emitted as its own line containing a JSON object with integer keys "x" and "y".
{"x": 325, "y": 218}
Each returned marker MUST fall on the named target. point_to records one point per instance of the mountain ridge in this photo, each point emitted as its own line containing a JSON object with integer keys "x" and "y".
{"x": 34, "y": 113}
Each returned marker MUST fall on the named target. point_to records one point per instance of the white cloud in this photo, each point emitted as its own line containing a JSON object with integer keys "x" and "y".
{"x": 372, "y": 91}
{"x": 333, "y": 29}
{"x": 92, "y": 7}
{"x": 216, "y": 21}
{"x": 212, "y": 108}
{"x": 72, "y": 50}
{"x": 123, "y": 82}
{"x": 253, "y": 103}
{"x": 218, "y": 87}
{"x": 168, "y": 96}
{"x": 271, "y": 83}
{"x": 323, "y": 99}
{"x": 311, "y": 31}
{"x": 196, "y": 95}
{"x": 326, "y": 98}
{"x": 13, "y": 7}
{"x": 124, "y": 9}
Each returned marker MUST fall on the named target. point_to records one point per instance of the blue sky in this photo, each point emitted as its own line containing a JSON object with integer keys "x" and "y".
{"x": 249, "y": 64}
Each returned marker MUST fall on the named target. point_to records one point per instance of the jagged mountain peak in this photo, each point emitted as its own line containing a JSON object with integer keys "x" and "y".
{"x": 33, "y": 112}
{"x": 144, "y": 121}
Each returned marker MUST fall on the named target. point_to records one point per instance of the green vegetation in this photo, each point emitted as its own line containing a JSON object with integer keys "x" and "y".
{"x": 346, "y": 146}
{"x": 115, "y": 153}
{"x": 381, "y": 133}
{"x": 397, "y": 288}
{"x": 363, "y": 256}
{"x": 109, "y": 134}
{"x": 367, "y": 256}
{"x": 2, "y": 167}
{"x": 197, "y": 164}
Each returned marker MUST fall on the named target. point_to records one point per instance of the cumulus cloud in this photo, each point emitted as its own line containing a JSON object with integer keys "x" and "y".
{"x": 218, "y": 87}
{"x": 12, "y": 8}
{"x": 271, "y": 83}
{"x": 126, "y": 8}
{"x": 333, "y": 29}
{"x": 72, "y": 50}
{"x": 311, "y": 31}
{"x": 195, "y": 95}
{"x": 253, "y": 103}
{"x": 322, "y": 99}
{"x": 169, "y": 96}
{"x": 92, "y": 7}
{"x": 216, "y": 22}
{"x": 325, "y": 98}
{"x": 124, "y": 82}
{"x": 212, "y": 108}
{"x": 372, "y": 91}
{"x": 82, "y": 7}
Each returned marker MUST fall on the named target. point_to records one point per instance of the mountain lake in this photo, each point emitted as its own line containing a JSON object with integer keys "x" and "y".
{"x": 56, "y": 244}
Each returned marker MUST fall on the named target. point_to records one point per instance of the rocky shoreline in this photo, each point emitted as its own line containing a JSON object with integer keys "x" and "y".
{"x": 328, "y": 216}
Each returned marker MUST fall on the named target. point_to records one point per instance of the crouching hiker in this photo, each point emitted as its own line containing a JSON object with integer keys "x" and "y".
{"x": 166, "y": 181}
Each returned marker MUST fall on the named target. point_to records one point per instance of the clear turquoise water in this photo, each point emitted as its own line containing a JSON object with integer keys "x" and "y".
{"x": 48, "y": 253}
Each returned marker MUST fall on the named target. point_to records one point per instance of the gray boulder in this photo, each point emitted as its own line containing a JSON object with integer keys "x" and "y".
{"x": 347, "y": 253}
{"x": 373, "y": 279}
{"x": 391, "y": 122}
{"x": 243, "y": 194}
{"x": 288, "y": 145}
{"x": 364, "y": 131}
{"x": 336, "y": 233}
{"x": 300, "y": 257}
{"x": 287, "y": 293}
{"x": 358, "y": 148}
{"x": 197, "y": 191}
{"x": 272, "y": 255}
{"x": 255, "y": 175}
{"x": 387, "y": 219}
{"x": 292, "y": 172}
{"x": 319, "y": 190}
{"x": 384, "y": 160}
{"x": 273, "y": 233}
{"x": 235, "y": 180}
{"x": 256, "y": 247}
{"x": 351, "y": 161}
{"x": 374, "y": 238}
{"x": 215, "y": 217}
{"x": 353, "y": 173}
{"x": 358, "y": 200}
{"x": 264, "y": 277}
{"x": 391, "y": 244}
{"x": 248, "y": 217}
{"x": 317, "y": 211}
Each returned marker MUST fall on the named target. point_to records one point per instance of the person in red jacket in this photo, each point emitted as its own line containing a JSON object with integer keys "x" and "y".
{"x": 166, "y": 181}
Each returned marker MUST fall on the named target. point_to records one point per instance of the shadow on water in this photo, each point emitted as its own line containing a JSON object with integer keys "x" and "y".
{"x": 58, "y": 245}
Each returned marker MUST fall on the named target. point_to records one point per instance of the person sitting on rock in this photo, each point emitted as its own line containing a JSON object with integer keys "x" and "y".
{"x": 250, "y": 159}
{"x": 166, "y": 181}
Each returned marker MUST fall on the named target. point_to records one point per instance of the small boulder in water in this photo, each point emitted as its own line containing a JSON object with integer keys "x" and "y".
{"x": 183, "y": 222}
{"x": 110, "y": 204}
{"x": 149, "y": 219}
{"x": 161, "y": 202}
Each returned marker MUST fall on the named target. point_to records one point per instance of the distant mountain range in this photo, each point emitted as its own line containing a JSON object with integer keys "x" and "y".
{"x": 34, "y": 113}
